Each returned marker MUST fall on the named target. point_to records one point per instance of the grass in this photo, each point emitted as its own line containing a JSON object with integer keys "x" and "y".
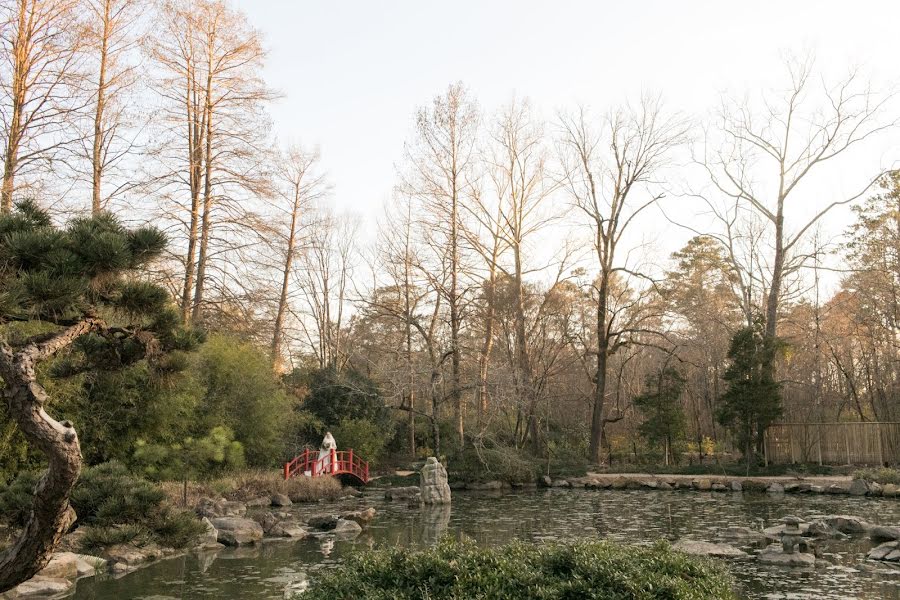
{"x": 255, "y": 483}
{"x": 589, "y": 570}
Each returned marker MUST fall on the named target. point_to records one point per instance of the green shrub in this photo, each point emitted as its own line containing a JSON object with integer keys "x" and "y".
{"x": 500, "y": 463}
{"x": 109, "y": 495}
{"x": 97, "y": 538}
{"x": 880, "y": 475}
{"x": 177, "y": 529}
{"x": 588, "y": 570}
{"x": 15, "y": 498}
{"x": 367, "y": 438}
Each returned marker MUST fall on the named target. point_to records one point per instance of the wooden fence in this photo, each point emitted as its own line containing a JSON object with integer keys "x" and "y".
{"x": 851, "y": 443}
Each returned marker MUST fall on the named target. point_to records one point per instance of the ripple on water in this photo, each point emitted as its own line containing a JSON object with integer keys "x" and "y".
{"x": 555, "y": 515}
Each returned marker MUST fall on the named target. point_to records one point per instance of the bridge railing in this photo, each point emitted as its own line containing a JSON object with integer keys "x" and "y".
{"x": 337, "y": 463}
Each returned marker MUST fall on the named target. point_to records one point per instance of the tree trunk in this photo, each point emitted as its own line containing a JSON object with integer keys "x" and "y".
{"x": 51, "y": 516}
{"x": 197, "y": 315}
{"x": 277, "y": 336}
{"x": 97, "y": 154}
{"x": 596, "y": 445}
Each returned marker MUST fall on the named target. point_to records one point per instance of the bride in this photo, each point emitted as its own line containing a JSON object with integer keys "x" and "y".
{"x": 328, "y": 444}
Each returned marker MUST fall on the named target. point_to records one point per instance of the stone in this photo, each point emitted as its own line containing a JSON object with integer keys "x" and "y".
{"x": 266, "y": 520}
{"x": 560, "y": 483}
{"x": 775, "y": 488}
{"x": 126, "y": 557}
{"x": 719, "y": 487}
{"x": 402, "y": 493}
{"x": 890, "y": 490}
{"x": 363, "y": 517}
{"x": 821, "y": 529}
{"x": 210, "y": 508}
{"x": 433, "y": 483}
{"x": 883, "y": 533}
{"x": 43, "y": 587}
{"x": 773, "y": 555}
{"x": 289, "y": 530}
{"x": 859, "y": 487}
{"x": 881, "y": 552}
{"x": 619, "y": 483}
{"x": 847, "y": 523}
{"x": 664, "y": 485}
{"x": 545, "y": 481}
{"x": 875, "y": 489}
{"x": 650, "y": 484}
{"x": 323, "y": 522}
{"x": 62, "y": 565}
{"x": 704, "y": 485}
{"x": 346, "y": 527}
{"x": 281, "y": 500}
{"x": 837, "y": 488}
{"x": 237, "y": 531}
{"x": 698, "y": 548}
{"x": 258, "y": 502}
{"x": 737, "y": 486}
{"x": 893, "y": 555}
{"x": 816, "y": 489}
{"x": 210, "y": 537}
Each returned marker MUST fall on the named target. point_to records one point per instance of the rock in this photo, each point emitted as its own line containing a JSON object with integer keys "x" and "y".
{"x": 545, "y": 481}
{"x": 62, "y": 565}
{"x": 704, "y": 485}
{"x": 363, "y": 517}
{"x": 289, "y": 530}
{"x": 816, "y": 489}
{"x": 323, "y": 522}
{"x": 775, "y": 488}
{"x": 737, "y": 486}
{"x": 210, "y": 508}
{"x": 821, "y": 529}
{"x": 859, "y": 487}
{"x": 719, "y": 487}
{"x": 699, "y": 548}
{"x": 773, "y": 555}
{"x": 847, "y": 523}
{"x": 743, "y": 534}
{"x": 258, "y": 502}
{"x": 487, "y": 486}
{"x": 664, "y": 485}
{"x": 881, "y": 552}
{"x": 43, "y": 587}
{"x": 882, "y": 533}
{"x": 683, "y": 484}
{"x": 890, "y": 490}
{"x": 210, "y": 537}
{"x": 560, "y": 483}
{"x": 837, "y": 488}
{"x": 237, "y": 531}
{"x": 88, "y": 565}
{"x": 875, "y": 489}
{"x": 650, "y": 484}
{"x": 126, "y": 557}
{"x": 266, "y": 520}
{"x": 346, "y": 527}
{"x": 433, "y": 483}
{"x": 402, "y": 493}
{"x": 619, "y": 483}
{"x": 281, "y": 500}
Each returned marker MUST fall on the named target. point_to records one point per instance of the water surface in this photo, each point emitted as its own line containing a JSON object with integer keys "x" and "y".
{"x": 638, "y": 516}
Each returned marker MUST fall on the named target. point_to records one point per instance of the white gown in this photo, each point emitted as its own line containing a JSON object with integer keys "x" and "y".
{"x": 328, "y": 444}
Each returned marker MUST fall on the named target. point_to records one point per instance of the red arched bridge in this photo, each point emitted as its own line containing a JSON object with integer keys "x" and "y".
{"x": 339, "y": 462}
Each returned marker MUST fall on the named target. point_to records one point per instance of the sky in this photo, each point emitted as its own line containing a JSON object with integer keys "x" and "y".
{"x": 353, "y": 72}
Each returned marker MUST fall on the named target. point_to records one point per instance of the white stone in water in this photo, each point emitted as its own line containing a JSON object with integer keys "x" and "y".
{"x": 433, "y": 483}
{"x": 699, "y": 548}
{"x": 774, "y": 555}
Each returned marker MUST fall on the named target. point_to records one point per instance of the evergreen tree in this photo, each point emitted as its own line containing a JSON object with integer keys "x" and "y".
{"x": 71, "y": 285}
{"x": 664, "y": 422}
{"x": 753, "y": 398}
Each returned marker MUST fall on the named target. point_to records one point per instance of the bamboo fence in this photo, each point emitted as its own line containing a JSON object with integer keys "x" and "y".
{"x": 845, "y": 443}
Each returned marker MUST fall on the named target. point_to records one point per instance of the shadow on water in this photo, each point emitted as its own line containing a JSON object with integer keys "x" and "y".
{"x": 265, "y": 572}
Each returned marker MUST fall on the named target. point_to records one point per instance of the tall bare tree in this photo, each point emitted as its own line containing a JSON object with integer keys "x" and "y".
{"x": 610, "y": 170}
{"x": 112, "y": 38}
{"x": 441, "y": 161}
{"x": 41, "y": 75}
{"x": 298, "y": 188}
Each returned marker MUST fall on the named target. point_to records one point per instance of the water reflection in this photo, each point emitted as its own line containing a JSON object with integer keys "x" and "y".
{"x": 539, "y": 516}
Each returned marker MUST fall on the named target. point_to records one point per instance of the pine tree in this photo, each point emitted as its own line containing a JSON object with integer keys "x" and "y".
{"x": 664, "y": 422}
{"x": 73, "y": 285}
{"x": 753, "y": 398}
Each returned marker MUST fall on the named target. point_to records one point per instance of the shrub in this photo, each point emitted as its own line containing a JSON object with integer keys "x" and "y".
{"x": 177, "y": 529}
{"x": 109, "y": 495}
{"x": 880, "y": 475}
{"x": 502, "y": 463}
{"x": 15, "y": 498}
{"x": 367, "y": 438}
{"x": 598, "y": 570}
{"x": 97, "y": 538}
{"x": 250, "y": 484}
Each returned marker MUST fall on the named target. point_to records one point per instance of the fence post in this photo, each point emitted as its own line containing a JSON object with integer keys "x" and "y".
{"x": 287, "y": 471}
{"x": 333, "y": 460}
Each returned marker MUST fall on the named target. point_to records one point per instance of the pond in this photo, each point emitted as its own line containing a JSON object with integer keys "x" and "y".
{"x": 555, "y": 515}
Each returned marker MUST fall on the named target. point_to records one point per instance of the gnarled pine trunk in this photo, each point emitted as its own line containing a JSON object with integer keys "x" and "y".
{"x": 51, "y": 516}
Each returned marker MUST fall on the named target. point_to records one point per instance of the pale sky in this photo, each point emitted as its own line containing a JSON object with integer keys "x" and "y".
{"x": 354, "y": 72}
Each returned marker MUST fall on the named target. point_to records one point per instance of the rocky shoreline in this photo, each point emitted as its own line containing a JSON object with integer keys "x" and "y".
{"x": 639, "y": 481}
{"x": 228, "y": 524}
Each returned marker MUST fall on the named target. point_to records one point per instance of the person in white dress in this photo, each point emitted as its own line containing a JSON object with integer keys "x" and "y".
{"x": 328, "y": 444}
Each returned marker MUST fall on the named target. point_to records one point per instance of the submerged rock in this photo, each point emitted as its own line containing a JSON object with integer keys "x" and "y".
{"x": 774, "y": 555}
{"x": 402, "y": 493}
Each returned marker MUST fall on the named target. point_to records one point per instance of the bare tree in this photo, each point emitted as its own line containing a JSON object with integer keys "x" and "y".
{"x": 111, "y": 41}
{"x": 42, "y": 44}
{"x": 298, "y": 187}
{"x": 441, "y": 163}
{"x": 780, "y": 146}
{"x": 609, "y": 171}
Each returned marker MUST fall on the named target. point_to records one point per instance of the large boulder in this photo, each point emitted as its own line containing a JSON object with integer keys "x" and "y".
{"x": 887, "y": 552}
{"x": 698, "y": 548}
{"x": 42, "y": 587}
{"x": 433, "y": 483}
{"x": 281, "y": 500}
{"x": 410, "y": 492}
{"x": 847, "y": 523}
{"x": 210, "y": 537}
{"x": 237, "y": 531}
{"x": 859, "y": 487}
{"x": 347, "y": 528}
{"x": 883, "y": 533}
{"x": 363, "y": 517}
{"x": 323, "y": 522}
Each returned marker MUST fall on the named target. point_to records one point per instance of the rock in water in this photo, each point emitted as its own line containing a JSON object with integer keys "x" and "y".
{"x": 698, "y": 548}
{"x": 433, "y": 483}
{"x": 237, "y": 531}
{"x": 774, "y": 555}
